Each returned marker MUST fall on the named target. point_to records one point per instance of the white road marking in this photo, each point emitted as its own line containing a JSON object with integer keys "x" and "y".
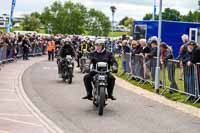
{"x": 1, "y": 131}
{"x": 50, "y": 68}
{"x": 7, "y": 90}
{"x": 9, "y": 100}
{"x": 20, "y": 115}
{"x": 21, "y": 122}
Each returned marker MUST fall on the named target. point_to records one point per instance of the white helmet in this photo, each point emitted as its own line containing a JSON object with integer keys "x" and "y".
{"x": 100, "y": 42}
{"x": 68, "y": 40}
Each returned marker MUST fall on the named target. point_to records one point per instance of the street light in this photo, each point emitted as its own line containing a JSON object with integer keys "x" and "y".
{"x": 157, "y": 75}
{"x": 199, "y": 4}
{"x": 113, "y": 10}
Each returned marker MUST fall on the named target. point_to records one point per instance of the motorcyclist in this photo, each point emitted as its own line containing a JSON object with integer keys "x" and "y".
{"x": 65, "y": 50}
{"x": 101, "y": 55}
{"x": 84, "y": 46}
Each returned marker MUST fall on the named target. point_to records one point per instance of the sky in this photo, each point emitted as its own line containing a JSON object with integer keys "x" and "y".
{"x": 131, "y": 8}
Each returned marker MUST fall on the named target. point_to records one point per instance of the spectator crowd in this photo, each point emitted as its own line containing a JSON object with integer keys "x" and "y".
{"x": 138, "y": 57}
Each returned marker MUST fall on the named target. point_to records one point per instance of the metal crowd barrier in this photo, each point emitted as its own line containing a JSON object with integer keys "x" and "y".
{"x": 35, "y": 51}
{"x": 197, "y": 71}
{"x": 6, "y": 54}
{"x": 143, "y": 70}
{"x": 11, "y": 53}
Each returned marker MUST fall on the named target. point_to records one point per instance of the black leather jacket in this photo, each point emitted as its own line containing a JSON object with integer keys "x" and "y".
{"x": 66, "y": 50}
{"x": 105, "y": 56}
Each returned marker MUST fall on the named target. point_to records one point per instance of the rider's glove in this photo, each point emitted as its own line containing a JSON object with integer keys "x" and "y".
{"x": 114, "y": 69}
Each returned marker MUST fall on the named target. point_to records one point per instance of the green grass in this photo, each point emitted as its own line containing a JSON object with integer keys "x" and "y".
{"x": 20, "y": 29}
{"x": 178, "y": 97}
{"x": 117, "y": 34}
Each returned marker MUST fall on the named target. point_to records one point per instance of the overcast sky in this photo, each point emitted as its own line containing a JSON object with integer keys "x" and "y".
{"x": 132, "y": 8}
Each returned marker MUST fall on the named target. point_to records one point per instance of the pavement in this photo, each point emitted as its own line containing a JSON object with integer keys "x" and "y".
{"x": 16, "y": 114}
{"x": 61, "y": 103}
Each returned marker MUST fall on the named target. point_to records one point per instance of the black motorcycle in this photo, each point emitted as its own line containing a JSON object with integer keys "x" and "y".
{"x": 100, "y": 86}
{"x": 84, "y": 65}
{"x": 67, "y": 69}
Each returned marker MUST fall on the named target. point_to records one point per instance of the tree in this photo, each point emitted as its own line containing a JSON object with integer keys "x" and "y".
{"x": 97, "y": 23}
{"x": 128, "y": 22}
{"x": 30, "y": 23}
{"x": 122, "y": 22}
{"x": 171, "y": 14}
{"x": 149, "y": 16}
{"x": 67, "y": 18}
{"x": 168, "y": 14}
{"x": 191, "y": 17}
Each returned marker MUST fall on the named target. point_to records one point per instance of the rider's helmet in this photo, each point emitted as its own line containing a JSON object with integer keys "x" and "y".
{"x": 67, "y": 41}
{"x": 100, "y": 42}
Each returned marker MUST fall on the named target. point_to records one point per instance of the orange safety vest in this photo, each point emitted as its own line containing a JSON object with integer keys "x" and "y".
{"x": 51, "y": 46}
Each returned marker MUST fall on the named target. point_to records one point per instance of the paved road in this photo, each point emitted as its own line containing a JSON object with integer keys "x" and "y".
{"x": 129, "y": 114}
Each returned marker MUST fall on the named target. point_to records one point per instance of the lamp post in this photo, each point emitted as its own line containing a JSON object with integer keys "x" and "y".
{"x": 113, "y": 10}
{"x": 157, "y": 75}
{"x": 154, "y": 10}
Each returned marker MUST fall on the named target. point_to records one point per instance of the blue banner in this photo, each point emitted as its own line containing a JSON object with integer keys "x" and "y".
{"x": 9, "y": 27}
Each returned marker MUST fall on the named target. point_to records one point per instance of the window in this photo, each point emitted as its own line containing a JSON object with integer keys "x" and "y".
{"x": 140, "y": 31}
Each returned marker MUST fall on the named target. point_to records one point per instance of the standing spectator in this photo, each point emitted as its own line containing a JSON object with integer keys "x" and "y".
{"x": 25, "y": 47}
{"x": 188, "y": 59}
{"x": 146, "y": 63}
{"x": 182, "y": 52}
{"x": 150, "y": 56}
{"x": 126, "y": 50}
{"x": 165, "y": 55}
{"x": 51, "y": 49}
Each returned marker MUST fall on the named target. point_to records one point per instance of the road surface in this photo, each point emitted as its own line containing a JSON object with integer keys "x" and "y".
{"x": 131, "y": 113}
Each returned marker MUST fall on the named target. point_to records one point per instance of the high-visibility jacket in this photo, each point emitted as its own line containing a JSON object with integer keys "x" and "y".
{"x": 51, "y": 46}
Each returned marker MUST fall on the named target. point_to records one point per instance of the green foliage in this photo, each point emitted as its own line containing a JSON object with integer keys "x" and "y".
{"x": 191, "y": 17}
{"x": 148, "y": 16}
{"x": 129, "y": 22}
{"x": 74, "y": 18}
{"x": 174, "y": 15}
{"x": 69, "y": 18}
{"x": 30, "y": 23}
{"x": 97, "y": 23}
{"x": 171, "y": 14}
{"x": 122, "y": 22}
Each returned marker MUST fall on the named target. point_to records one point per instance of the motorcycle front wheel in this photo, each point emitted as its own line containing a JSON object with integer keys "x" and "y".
{"x": 70, "y": 76}
{"x": 102, "y": 98}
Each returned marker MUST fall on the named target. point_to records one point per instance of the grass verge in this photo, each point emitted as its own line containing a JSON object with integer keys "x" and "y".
{"x": 178, "y": 97}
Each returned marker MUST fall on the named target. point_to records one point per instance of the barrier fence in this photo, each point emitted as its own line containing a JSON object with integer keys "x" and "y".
{"x": 11, "y": 53}
{"x": 143, "y": 70}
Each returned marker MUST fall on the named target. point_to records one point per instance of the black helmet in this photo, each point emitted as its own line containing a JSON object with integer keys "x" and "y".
{"x": 193, "y": 43}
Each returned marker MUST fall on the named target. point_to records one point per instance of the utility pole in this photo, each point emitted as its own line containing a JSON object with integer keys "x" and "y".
{"x": 157, "y": 75}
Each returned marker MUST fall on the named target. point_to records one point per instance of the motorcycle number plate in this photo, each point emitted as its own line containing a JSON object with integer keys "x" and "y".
{"x": 101, "y": 77}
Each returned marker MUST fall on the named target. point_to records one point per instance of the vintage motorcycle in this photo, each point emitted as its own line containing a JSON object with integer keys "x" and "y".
{"x": 67, "y": 69}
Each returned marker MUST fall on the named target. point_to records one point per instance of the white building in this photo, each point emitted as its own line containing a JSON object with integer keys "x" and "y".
{"x": 4, "y": 21}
